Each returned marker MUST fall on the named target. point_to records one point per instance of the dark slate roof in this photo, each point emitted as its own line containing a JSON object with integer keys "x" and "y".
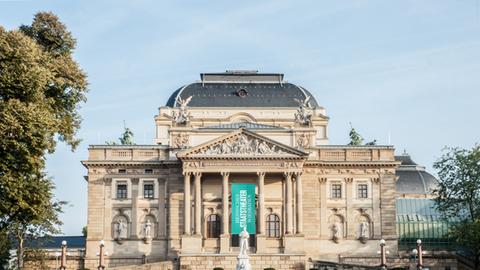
{"x": 227, "y": 95}
{"x": 412, "y": 178}
{"x": 55, "y": 242}
{"x": 246, "y": 125}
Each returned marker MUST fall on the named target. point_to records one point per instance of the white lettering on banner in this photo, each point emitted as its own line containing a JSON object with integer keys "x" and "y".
{"x": 243, "y": 208}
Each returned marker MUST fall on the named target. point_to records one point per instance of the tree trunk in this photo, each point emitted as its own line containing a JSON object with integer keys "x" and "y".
{"x": 20, "y": 251}
{"x": 477, "y": 262}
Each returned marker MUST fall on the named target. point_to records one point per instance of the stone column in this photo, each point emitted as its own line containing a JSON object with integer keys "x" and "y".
{"x": 299, "y": 197}
{"x": 349, "y": 225}
{"x": 186, "y": 203}
{"x": 198, "y": 204}
{"x": 288, "y": 206}
{"x": 135, "y": 211}
{"x": 225, "y": 237}
{"x": 225, "y": 207}
{"x": 261, "y": 202}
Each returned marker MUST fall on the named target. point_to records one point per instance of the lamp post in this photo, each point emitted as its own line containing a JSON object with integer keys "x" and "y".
{"x": 63, "y": 260}
{"x": 420, "y": 254}
{"x": 383, "y": 257}
{"x": 101, "y": 265}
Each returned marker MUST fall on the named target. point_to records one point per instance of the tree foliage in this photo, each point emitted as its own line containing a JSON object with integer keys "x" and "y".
{"x": 458, "y": 195}
{"x": 41, "y": 88}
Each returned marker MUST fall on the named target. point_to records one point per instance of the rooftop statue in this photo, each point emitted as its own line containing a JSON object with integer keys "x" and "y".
{"x": 183, "y": 116}
{"x": 303, "y": 115}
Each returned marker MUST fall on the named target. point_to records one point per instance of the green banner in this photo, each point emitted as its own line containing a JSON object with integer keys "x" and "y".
{"x": 243, "y": 208}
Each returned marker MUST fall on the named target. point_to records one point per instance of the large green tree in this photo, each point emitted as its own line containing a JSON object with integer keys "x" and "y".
{"x": 458, "y": 195}
{"x": 41, "y": 88}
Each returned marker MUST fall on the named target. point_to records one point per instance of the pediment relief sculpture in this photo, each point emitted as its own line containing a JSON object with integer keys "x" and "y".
{"x": 242, "y": 145}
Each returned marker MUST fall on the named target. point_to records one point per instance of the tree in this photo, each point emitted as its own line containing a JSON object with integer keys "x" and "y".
{"x": 41, "y": 88}
{"x": 5, "y": 246}
{"x": 458, "y": 195}
{"x": 84, "y": 231}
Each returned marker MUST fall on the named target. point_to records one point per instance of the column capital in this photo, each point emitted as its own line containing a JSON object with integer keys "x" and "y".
{"x": 261, "y": 174}
{"x": 288, "y": 174}
{"x": 197, "y": 174}
{"x": 187, "y": 173}
{"x": 348, "y": 179}
{"x": 297, "y": 174}
{"x": 225, "y": 174}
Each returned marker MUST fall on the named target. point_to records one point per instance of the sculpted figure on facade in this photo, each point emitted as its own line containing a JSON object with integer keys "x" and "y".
{"x": 120, "y": 229}
{"x": 364, "y": 231}
{"x": 183, "y": 115}
{"x": 147, "y": 230}
{"x": 180, "y": 141}
{"x": 303, "y": 116}
{"x": 303, "y": 141}
{"x": 335, "y": 232}
{"x": 242, "y": 145}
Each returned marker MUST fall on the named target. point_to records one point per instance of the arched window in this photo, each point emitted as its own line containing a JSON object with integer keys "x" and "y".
{"x": 213, "y": 226}
{"x": 273, "y": 226}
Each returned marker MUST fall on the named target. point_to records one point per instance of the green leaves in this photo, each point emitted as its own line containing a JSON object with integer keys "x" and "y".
{"x": 41, "y": 88}
{"x": 458, "y": 195}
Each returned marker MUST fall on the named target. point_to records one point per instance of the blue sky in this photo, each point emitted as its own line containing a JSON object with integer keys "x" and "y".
{"x": 408, "y": 68}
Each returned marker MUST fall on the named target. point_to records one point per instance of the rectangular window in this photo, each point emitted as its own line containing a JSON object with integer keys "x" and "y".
{"x": 148, "y": 171}
{"x": 336, "y": 190}
{"x": 122, "y": 171}
{"x": 362, "y": 191}
{"x": 121, "y": 190}
{"x": 148, "y": 192}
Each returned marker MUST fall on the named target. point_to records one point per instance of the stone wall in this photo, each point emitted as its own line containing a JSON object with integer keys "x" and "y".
{"x": 157, "y": 266}
{"x": 228, "y": 262}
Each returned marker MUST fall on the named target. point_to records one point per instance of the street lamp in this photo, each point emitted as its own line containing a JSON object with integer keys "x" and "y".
{"x": 383, "y": 258}
{"x": 63, "y": 261}
{"x": 420, "y": 254}
{"x": 101, "y": 265}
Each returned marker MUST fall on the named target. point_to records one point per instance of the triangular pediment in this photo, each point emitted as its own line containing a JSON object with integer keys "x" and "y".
{"x": 242, "y": 143}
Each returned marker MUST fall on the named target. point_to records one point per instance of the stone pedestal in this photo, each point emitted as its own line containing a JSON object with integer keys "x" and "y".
{"x": 261, "y": 243}
{"x": 191, "y": 244}
{"x": 294, "y": 244}
{"x": 243, "y": 263}
{"x": 225, "y": 243}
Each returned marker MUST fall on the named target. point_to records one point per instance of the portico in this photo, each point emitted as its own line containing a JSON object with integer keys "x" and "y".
{"x": 283, "y": 163}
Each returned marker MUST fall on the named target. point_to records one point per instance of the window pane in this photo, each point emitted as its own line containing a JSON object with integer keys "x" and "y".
{"x": 148, "y": 191}
{"x": 121, "y": 191}
{"x": 336, "y": 191}
{"x": 213, "y": 226}
{"x": 362, "y": 191}
{"x": 273, "y": 226}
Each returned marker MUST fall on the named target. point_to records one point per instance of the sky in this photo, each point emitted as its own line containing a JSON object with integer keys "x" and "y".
{"x": 404, "y": 70}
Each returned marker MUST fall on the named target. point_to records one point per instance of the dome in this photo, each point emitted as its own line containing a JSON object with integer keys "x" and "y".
{"x": 413, "y": 179}
{"x": 242, "y": 89}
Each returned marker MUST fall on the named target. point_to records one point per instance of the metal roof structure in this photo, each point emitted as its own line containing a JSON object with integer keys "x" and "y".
{"x": 242, "y": 89}
{"x": 413, "y": 178}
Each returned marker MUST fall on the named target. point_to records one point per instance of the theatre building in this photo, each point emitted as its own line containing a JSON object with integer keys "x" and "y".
{"x": 172, "y": 200}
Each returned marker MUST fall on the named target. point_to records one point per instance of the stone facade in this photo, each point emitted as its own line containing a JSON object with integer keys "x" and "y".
{"x": 314, "y": 200}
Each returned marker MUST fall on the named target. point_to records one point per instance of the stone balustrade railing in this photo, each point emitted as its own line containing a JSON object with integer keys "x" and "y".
{"x": 128, "y": 153}
{"x": 353, "y": 153}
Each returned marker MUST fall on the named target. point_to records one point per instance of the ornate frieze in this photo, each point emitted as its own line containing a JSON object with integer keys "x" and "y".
{"x": 242, "y": 145}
